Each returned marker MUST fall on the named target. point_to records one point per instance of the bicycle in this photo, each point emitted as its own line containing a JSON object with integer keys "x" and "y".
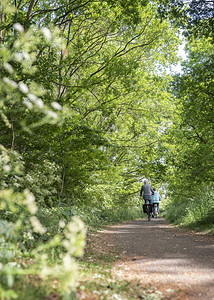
{"x": 155, "y": 210}
{"x": 148, "y": 209}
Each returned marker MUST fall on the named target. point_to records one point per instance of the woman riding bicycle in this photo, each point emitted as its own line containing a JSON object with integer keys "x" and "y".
{"x": 155, "y": 199}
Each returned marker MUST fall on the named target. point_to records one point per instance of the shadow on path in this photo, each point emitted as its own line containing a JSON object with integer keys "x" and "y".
{"x": 157, "y": 252}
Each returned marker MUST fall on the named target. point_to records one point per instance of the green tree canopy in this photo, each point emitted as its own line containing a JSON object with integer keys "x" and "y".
{"x": 105, "y": 77}
{"x": 195, "y": 17}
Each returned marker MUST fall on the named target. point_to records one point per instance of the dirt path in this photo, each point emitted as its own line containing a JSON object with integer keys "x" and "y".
{"x": 175, "y": 263}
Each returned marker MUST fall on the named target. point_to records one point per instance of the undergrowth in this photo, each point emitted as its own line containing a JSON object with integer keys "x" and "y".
{"x": 195, "y": 212}
{"x": 29, "y": 285}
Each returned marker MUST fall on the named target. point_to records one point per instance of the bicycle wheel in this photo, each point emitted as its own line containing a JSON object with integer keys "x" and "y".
{"x": 148, "y": 212}
{"x": 156, "y": 210}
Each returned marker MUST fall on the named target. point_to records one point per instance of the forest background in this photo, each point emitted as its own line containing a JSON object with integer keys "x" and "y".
{"x": 88, "y": 109}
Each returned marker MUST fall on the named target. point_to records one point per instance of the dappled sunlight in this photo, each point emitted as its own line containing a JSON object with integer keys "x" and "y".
{"x": 137, "y": 227}
{"x": 157, "y": 254}
{"x": 164, "y": 271}
{"x": 162, "y": 252}
{"x": 206, "y": 247}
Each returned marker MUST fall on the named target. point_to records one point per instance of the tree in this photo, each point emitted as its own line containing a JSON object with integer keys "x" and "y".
{"x": 20, "y": 226}
{"x": 195, "y": 89}
{"x": 190, "y": 139}
{"x": 102, "y": 77}
{"x": 195, "y": 17}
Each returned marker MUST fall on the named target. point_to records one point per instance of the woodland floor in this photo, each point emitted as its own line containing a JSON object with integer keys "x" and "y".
{"x": 174, "y": 263}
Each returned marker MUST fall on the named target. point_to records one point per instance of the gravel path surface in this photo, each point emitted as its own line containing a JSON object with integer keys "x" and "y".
{"x": 175, "y": 263}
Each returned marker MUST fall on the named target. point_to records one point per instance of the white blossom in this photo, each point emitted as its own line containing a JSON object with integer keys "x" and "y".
{"x": 28, "y": 104}
{"x": 12, "y": 264}
{"x": 26, "y": 56}
{"x": 67, "y": 244}
{"x": 23, "y": 88}
{"x": 37, "y": 226}
{"x": 39, "y": 103}
{"x": 30, "y": 236}
{"x": 29, "y": 177}
{"x": 62, "y": 224}
{"x": 30, "y": 201}
{"x": 68, "y": 262}
{"x": 7, "y": 168}
{"x": 10, "y": 82}
{"x": 18, "y": 27}
{"x": 18, "y": 56}
{"x": 45, "y": 272}
{"x": 52, "y": 114}
{"x": 46, "y": 32}
{"x": 32, "y": 97}
{"x": 56, "y": 105}
{"x": 8, "y": 67}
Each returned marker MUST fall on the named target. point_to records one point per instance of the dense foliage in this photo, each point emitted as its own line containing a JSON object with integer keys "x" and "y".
{"x": 104, "y": 78}
{"x": 192, "y": 159}
{"x": 191, "y": 136}
{"x": 195, "y": 17}
{"x": 87, "y": 111}
{"x": 83, "y": 110}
